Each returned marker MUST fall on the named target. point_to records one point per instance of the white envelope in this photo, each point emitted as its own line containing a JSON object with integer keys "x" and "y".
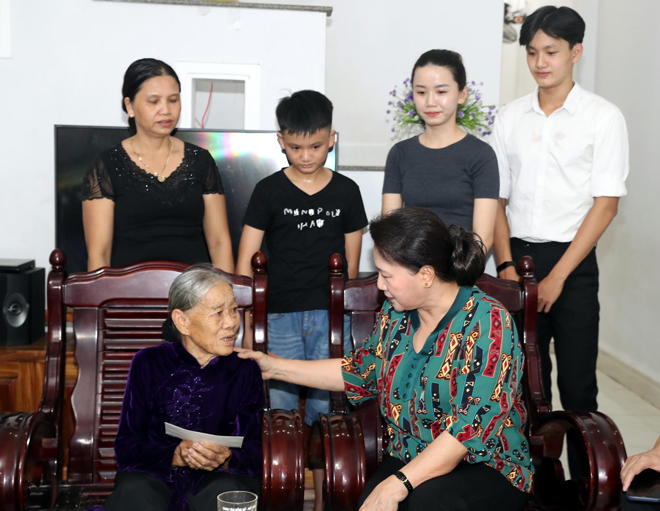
{"x": 185, "y": 434}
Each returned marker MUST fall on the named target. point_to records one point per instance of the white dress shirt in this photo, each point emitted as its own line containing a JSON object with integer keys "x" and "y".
{"x": 552, "y": 167}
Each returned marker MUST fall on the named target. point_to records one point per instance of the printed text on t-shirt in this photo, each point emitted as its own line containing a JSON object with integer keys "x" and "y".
{"x": 318, "y": 222}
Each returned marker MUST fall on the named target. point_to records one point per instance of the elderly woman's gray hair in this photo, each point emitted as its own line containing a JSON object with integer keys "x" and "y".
{"x": 189, "y": 288}
{"x": 187, "y": 291}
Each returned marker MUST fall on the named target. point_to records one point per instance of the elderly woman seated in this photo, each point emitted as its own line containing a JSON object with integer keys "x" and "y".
{"x": 196, "y": 382}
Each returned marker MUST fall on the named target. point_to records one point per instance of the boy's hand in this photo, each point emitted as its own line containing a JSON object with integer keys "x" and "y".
{"x": 549, "y": 290}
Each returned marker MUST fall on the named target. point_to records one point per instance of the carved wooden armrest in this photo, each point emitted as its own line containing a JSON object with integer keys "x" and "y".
{"x": 345, "y": 461}
{"x": 28, "y": 459}
{"x": 598, "y": 443}
{"x": 283, "y": 480}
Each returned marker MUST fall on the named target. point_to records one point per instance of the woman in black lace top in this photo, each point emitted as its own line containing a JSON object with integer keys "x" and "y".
{"x": 154, "y": 196}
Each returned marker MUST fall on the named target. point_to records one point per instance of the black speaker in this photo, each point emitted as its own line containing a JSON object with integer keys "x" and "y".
{"x": 22, "y": 292}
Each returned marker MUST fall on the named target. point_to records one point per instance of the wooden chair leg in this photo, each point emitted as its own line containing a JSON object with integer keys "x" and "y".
{"x": 345, "y": 461}
{"x": 284, "y": 461}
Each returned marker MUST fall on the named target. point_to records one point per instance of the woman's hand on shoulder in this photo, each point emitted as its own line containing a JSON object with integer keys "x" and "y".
{"x": 386, "y": 496}
{"x": 267, "y": 363}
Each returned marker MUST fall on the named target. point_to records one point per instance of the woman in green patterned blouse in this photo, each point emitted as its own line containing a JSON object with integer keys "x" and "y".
{"x": 445, "y": 364}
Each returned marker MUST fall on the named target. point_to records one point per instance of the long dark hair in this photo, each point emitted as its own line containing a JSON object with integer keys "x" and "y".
{"x": 416, "y": 237}
{"x": 138, "y": 73}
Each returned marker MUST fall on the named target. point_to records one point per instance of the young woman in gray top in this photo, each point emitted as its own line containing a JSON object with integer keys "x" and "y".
{"x": 444, "y": 169}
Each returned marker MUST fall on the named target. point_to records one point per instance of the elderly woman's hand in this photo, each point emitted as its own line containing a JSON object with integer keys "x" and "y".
{"x": 267, "y": 363}
{"x": 386, "y": 496}
{"x": 179, "y": 459}
{"x": 200, "y": 455}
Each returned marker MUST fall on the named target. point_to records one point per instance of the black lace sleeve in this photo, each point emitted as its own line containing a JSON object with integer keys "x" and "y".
{"x": 212, "y": 182}
{"x": 97, "y": 184}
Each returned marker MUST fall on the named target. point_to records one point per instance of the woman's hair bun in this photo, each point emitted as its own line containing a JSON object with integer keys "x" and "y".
{"x": 468, "y": 257}
{"x": 417, "y": 237}
{"x": 169, "y": 331}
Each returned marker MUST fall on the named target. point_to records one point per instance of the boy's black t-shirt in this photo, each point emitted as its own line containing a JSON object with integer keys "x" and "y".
{"x": 302, "y": 231}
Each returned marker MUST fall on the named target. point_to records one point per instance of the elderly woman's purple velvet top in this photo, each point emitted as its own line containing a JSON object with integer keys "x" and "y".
{"x": 167, "y": 384}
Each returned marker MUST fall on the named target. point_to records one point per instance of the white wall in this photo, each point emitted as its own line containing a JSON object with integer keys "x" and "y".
{"x": 67, "y": 68}
{"x": 628, "y": 74}
{"x": 515, "y": 78}
{"x": 372, "y": 46}
{"x": 371, "y": 188}
{"x": 224, "y": 107}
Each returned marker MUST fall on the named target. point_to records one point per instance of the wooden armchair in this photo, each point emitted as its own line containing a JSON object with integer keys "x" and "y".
{"x": 116, "y": 312}
{"x": 353, "y": 439}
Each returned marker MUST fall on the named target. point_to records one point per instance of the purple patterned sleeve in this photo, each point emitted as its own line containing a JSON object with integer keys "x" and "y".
{"x": 140, "y": 445}
{"x": 248, "y": 459}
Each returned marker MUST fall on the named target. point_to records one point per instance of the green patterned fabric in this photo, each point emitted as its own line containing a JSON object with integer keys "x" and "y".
{"x": 465, "y": 380}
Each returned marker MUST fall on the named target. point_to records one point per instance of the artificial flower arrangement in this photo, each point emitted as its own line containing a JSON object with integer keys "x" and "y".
{"x": 472, "y": 115}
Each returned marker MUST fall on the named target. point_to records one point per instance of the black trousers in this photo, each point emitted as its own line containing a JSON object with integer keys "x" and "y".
{"x": 572, "y": 322}
{"x": 138, "y": 491}
{"x": 469, "y": 487}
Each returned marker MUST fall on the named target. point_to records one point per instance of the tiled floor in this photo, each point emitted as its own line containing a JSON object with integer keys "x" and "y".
{"x": 638, "y": 420}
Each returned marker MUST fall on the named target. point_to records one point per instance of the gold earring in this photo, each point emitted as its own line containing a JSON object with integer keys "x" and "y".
{"x": 426, "y": 284}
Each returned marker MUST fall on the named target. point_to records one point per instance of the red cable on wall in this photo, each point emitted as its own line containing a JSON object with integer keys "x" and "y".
{"x": 207, "y": 105}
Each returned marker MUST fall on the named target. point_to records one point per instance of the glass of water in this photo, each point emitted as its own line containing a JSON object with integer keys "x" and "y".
{"x": 233, "y": 500}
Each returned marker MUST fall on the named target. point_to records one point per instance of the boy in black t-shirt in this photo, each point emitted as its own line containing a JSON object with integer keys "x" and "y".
{"x": 306, "y": 213}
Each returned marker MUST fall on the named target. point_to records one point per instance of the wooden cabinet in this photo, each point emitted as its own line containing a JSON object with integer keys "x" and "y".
{"x": 21, "y": 376}
{"x": 22, "y": 381}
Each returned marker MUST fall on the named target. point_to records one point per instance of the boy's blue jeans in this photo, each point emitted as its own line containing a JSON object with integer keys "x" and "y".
{"x": 302, "y": 335}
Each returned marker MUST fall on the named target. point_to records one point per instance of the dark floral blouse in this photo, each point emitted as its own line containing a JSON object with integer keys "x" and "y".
{"x": 466, "y": 380}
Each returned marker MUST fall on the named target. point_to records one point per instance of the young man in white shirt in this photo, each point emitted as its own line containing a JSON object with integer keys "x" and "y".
{"x": 563, "y": 160}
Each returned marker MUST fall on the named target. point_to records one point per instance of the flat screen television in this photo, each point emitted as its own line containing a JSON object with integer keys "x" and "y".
{"x": 243, "y": 158}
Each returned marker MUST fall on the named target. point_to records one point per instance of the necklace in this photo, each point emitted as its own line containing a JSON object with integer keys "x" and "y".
{"x": 160, "y": 176}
